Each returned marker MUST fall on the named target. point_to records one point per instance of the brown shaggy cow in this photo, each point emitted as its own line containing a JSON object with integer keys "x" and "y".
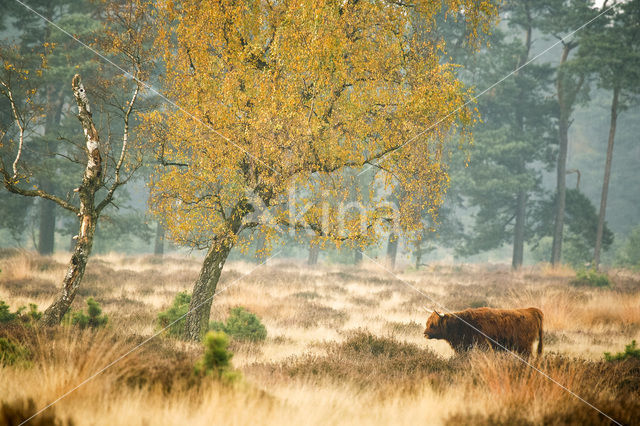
{"x": 514, "y": 329}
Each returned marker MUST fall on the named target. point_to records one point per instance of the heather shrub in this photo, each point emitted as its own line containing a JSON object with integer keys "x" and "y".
{"x": 591, "y": 278}
{"x": 174, "y": 317}
{"x": 241, "y": 325}
{"x": 367, "y": 360}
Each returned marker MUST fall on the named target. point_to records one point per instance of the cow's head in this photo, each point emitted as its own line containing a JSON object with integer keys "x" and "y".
{"x": 435, "y": 328}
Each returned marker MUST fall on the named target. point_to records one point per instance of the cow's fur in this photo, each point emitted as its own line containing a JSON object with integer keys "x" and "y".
{"x": 513, "y": 329}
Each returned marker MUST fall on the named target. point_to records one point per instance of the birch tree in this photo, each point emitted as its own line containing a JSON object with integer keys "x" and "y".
{"x": 287, "y": 102}
{"x": 107, "y": 164}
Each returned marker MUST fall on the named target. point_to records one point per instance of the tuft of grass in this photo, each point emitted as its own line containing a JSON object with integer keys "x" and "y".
{"x": 556, "y": 271}
{"x": 18, "y": 411}
{"x": 630, "y": 351}
{"x": 411, "y": 328}
{"x": 176, "y": 313}
{"x": 367, "y": 361}
{"x": 241, "y": 325}
{"x": 591, "y": 278}
{"x": 306, "y": 295}
{"x": 11, "y": 352}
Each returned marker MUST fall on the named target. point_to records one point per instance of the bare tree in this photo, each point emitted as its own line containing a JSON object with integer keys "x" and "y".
{"x": 107, "y": 165}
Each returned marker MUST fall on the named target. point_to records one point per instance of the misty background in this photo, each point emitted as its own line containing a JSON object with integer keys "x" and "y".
{"x": 478, "y": 220}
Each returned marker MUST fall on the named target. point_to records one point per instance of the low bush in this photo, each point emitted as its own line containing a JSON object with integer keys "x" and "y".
{"x": 93, "y": 318}
{"x": 630, "y": 351}
{"x": 7, "y": 316}
{"x": 241, "y": 325}
{"x": 591, "y": 278}
{"x": 33, "y": 314}
{"x": 175, "y": 315}
{"x": 216, "y": 360}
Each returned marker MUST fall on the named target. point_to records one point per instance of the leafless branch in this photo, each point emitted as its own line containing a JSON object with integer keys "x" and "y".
{"x": 19, "y": 122}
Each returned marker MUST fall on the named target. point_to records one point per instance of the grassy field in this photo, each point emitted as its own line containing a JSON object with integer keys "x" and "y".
{"x": 344, "y": 346}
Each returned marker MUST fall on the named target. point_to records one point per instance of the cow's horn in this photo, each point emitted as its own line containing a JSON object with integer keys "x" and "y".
{"x": 429, "y": 311}
{"x": 439, "y": 314}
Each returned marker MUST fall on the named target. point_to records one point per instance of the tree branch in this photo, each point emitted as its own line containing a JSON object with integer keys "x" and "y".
{"x": 18, "y": 121}
{"x": 125, "y": 143}
{"x": 10, "y": 185}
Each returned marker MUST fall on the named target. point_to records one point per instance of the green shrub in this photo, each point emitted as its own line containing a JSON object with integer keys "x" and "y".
{"x": 5, "y": 314}
{"x": 216, "y": 360}
{"x": 93, "y": 318}
{"x": 33, "y": 314}
{"x": 241, "y": 325}
{"x": 591, "y": 278}
{"x": 630, "y": 351}
{"x": 175, "y": 314}
{"x": 11, "y": 352}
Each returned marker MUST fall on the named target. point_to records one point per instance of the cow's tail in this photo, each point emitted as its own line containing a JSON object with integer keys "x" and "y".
{"x": 540, "y": 317}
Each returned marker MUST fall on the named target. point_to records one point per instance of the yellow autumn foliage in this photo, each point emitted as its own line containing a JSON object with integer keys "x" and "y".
{"x": 282, "y": 104}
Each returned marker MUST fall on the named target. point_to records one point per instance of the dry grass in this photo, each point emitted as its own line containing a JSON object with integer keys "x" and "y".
{"x": 344, "y": 346}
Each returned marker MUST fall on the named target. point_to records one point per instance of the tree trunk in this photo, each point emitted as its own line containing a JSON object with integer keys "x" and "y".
{"x": 418, "y": 253}
{"x": 47, "y": 225}
{"x": 158, "y": 248}
{"x": 566, "y": 98}
{"x": 91, "y": 181}
{"x": 561, "y": 189}
{"x": 204, "y": 289}
{"x": 314, "y": 252}
{"x": 196, "y": 321}
{"x": 75, "y": 271}
{"x": 607, "y": 175}
{"x": 392, "y": 250}
{"x": 521, "y": 203}
{"x": 518, "y": 231}
{"x": 357, "y": 256}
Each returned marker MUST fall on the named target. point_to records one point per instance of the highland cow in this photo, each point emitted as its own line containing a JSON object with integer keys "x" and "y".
{"x": 511, "y": 329}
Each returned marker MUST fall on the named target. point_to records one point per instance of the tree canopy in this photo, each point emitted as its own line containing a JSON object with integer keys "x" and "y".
{"x": 293, "y": 93}
{"x": 286, "y": 102}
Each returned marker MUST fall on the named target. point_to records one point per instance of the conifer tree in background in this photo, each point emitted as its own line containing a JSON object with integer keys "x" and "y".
{"x": 611, "y": 51}
{"x": 514, "y": 140}
{"x": 559, "y": 18}
{"x": 42, "y": 46}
